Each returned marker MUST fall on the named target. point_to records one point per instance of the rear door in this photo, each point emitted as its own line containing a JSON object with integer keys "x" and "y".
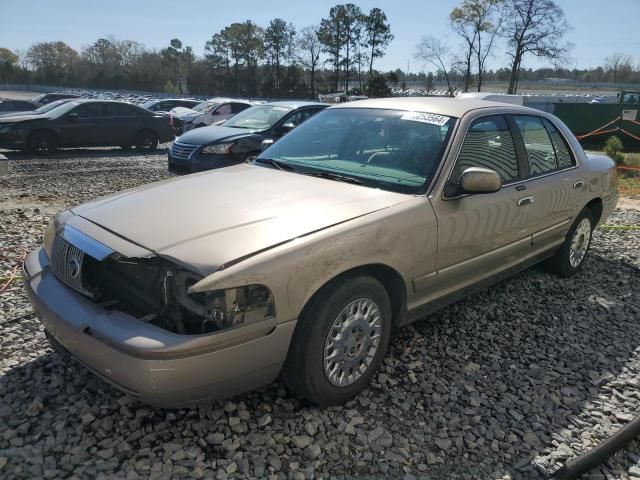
{"x": 551, "y": 184}
{"x": 479, "y": 235}
{"x": 119, "y": 124}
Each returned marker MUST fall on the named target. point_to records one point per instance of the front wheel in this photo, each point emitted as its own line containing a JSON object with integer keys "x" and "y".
{"x": 568, "y": 260}
{"x": 43, "y": 143}
{"x": 340, "y": 341}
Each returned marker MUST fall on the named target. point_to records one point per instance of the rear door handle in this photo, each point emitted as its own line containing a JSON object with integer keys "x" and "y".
{"x": 526, "y": 201}
{"x": 578, "y": 184}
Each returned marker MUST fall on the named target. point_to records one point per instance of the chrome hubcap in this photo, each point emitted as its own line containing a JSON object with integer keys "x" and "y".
{"x": 580, "y": 243}
{"x": 352, "y": 342}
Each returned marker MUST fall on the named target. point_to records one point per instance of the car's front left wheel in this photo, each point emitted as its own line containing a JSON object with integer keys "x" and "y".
{"x": 43, "y": 143}
{"x": 340, "y": 341}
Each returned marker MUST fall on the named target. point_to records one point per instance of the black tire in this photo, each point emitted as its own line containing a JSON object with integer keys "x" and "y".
{"x": 43, "y": 143}
{"x": 561, "y": 262}
{"x": 147, "y": 140}
{"x": 304, "y": 368}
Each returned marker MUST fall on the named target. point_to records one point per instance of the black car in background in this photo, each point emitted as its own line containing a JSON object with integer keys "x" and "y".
{"x": 240, "y": 138}
{"x": 12, "y": 106}
{"x": 85, "y": 123}
{"x": 166, "y": 104}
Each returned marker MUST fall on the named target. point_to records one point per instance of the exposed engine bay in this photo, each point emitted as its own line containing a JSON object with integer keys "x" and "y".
{"x": 155, "y": 291}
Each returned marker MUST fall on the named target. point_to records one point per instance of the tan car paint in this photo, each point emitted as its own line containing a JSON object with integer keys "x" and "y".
{"x": 248, "y": 224}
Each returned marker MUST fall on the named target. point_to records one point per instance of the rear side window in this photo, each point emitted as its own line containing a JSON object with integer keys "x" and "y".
{"x": 489, "y": 144}
{"x": 238, "y": 107}
{"x": 541, "y": 154}
{"x": 563, "y": 154}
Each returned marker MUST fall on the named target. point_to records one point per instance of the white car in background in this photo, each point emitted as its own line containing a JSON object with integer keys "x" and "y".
{"x": 209, "y": 112}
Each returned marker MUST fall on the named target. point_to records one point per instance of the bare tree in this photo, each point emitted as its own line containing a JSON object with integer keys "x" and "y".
{"x": 310, "y": 50}
{"x": 617, "y": 62}
{"x": 534, "y": 27}
{"x": 435, "y": 52}
{"x": 463, "y": 26}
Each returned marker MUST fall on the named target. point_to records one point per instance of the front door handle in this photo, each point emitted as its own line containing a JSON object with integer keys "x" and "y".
{"x": 526, "y": 201}
{"x": 578, "y": 184}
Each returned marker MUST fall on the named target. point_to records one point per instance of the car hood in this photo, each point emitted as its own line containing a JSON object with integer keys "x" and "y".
{"x": 212, "y": 134}
{"x": 16, "y": 117}
{"x": 205, "y": 220}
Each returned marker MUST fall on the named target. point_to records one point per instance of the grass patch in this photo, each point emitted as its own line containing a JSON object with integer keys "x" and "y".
{"x": 631, "y": 159}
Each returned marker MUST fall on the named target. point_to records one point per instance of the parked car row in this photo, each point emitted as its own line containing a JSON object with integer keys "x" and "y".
{"x": 366, "y": 217}
{"x": 89, "y": 123}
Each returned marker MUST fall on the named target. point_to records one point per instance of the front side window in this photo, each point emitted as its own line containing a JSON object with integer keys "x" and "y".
{"x": 489, "y": 144}
{"x": 388, "y": 149}
{"x": 541, "y": 155}
{"x": 89, "y": 110}
{"x": 223, "y": 110}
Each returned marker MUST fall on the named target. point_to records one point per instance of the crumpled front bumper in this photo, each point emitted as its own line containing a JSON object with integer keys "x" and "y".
{"x": 161, "y": 368}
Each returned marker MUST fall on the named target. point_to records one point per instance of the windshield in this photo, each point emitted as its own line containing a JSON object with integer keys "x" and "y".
{"x": 388, "y": 149}
{"x": 62, "y": 108}
{"x": 205, "y": 106}
{"x": 259, "y": 117}
{"x": 50, "y": 106}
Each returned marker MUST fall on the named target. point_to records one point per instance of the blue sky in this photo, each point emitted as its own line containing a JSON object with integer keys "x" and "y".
{"x": 599, "y": 27}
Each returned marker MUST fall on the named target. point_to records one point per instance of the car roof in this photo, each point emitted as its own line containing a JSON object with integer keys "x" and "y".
{"x": 451, "y": 107}
{"x": 294, "y": 104}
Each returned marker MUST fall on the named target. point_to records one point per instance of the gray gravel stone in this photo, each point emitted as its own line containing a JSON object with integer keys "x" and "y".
{"x": 506, "y": 384}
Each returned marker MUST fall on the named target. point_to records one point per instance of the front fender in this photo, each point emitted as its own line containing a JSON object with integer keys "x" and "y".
{"x": 403, "y": 237}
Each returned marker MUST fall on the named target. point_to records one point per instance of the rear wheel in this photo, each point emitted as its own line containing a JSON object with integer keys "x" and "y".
{"x": 340, "y": 341}
{"x": 43, "y": 143}
{"x": 568, "y": 260}
{"x": 147, "y": 140}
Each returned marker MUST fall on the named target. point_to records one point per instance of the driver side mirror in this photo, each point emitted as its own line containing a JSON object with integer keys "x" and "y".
{"x": 476, "y": 180}
{"x": 72, "y": 117}
{"x": 480, "y": 180}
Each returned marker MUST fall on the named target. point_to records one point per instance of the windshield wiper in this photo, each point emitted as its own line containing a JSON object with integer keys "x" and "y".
{"x": 285, "y": 167}
{"x": 336, "y": 176}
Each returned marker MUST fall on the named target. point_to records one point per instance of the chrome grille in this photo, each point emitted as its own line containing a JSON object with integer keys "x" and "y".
{"x": 182, "y": 151}
{"x": 66, "y": 264}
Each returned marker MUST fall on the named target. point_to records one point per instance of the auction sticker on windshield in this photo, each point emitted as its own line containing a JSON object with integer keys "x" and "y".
{"x": 430, "y": 118}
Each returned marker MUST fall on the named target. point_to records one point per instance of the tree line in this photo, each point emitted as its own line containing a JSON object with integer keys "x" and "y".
{"x": 338, "y": 53}
{"x": 242, "y": 59}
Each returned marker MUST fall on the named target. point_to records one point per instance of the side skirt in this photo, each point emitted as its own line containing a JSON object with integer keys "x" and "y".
{"x": 427, "y": 309}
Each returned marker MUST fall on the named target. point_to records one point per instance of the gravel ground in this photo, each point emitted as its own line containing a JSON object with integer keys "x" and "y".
{"x": 506, "y": 384}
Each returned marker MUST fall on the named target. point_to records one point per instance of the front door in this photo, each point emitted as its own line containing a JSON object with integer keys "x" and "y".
{"x": 80, "y": 127}
{"x": 480, "y": 235}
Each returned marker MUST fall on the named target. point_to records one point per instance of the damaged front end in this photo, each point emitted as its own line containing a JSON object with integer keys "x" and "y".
{"x": 153, "y": 290}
